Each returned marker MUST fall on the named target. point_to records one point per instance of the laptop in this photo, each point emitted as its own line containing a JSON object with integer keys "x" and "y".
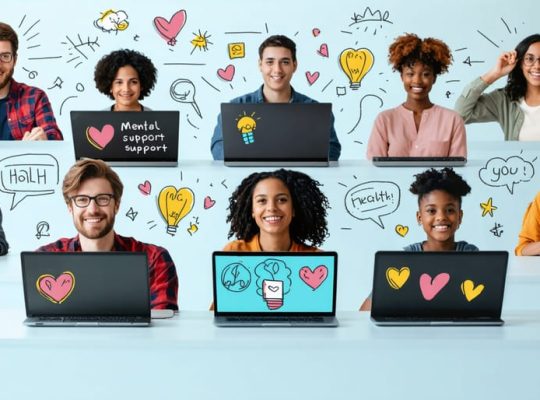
{"x": 275, "y": 289}
{"x": 270, "y": 134}
{"x": 438, "y": 288}
{"x": 86, "y": 288}
{"x": 419, "y": 161}
{"x": 124, "y": 138}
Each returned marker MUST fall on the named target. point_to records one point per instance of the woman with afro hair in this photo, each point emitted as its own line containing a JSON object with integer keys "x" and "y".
{"x": 282, "y": 210}
{"x": 516, "y": 107}
{"x": 126, "y": 76}
{"x": 418, "y": 128}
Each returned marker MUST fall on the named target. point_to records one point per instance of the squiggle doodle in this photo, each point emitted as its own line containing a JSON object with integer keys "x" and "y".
{"x": 360, "y": 116}
{"x": 183, "y": 91}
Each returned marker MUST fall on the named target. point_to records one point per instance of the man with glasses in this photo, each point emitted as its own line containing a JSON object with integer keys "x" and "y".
{"x": 92, "y": 192}
{"x": 25, "y": 111}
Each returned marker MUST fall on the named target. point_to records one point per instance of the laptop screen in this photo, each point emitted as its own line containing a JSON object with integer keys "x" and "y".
{"x": 438, "y": 285}
{"x": 85, "y": 284}
{"x": 267, "y": 132}
{"x": 262, "y": 283}
{"x": 123, "y": 137}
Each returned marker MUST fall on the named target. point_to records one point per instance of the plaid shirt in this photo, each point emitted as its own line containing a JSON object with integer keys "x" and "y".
{"x": 28, "y": 107}
{"x": 161, "y": 269}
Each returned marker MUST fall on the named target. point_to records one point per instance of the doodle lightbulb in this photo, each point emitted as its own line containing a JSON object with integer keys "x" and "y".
{"x": 174, "y": 204}
{"x": 246, "y": 125}
{"x": 356, "y": 64}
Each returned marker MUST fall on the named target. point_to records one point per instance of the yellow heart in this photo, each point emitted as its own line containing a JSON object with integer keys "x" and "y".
{"x": 471, "y": 292}
{"x": 397, "y": 278}
{"x": 402, "y": 230}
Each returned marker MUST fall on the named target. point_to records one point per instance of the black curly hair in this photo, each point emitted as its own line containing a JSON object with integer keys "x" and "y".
{"x": 108, "y": 66}
{"x": 516, "y": 86}
{"x": 308, "y": 226}
{"x": 445, "y": 179}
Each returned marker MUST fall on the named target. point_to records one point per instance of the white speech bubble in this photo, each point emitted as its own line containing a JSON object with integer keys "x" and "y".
{"x": 26, "y": 175}
{"x": 506, "y": 172}
{"x": 373, "y": 200}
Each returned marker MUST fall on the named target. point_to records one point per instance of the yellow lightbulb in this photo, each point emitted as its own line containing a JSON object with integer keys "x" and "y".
{"x": 356, "y": 64}
{"x": 174, "y": 204}
{"x": 246, "y": 124}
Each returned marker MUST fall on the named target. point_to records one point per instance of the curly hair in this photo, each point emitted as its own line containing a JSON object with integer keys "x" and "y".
{"x": 107, "y": 68}
{"x": 516, "y": 86}
{"x": 309, "y": 225}
{"x": 445, "y": 179}
{"x": 409, "y": 48}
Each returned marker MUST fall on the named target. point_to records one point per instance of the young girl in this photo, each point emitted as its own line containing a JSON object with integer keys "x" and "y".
{"x": 126, "y": 76}
{"x": 281, "y": 210}
{"x": 439, "y": 212}
{"x": 418, "y": 127}
{"x": 516, "y": 107}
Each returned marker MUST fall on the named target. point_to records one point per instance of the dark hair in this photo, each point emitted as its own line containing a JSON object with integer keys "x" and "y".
{"x": 309, "y": 204}
{"x": 445, "y": 179}
{"x": 516, "y": 87}
{"x": 108, "y": 66}
{"x": 278, "y": 41}
{"x": 86, "y": 169}
{"x": 7, "y": 33}
{"x": 409, "y": 48}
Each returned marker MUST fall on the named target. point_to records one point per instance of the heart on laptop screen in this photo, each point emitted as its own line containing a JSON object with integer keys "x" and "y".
{"x": 56, "y": 290}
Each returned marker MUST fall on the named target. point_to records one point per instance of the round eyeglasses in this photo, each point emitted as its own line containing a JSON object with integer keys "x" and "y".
{"x": 83, "y": 201}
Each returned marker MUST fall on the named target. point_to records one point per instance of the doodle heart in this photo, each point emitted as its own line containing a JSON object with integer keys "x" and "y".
{"x": 100, "y": 138}
{"x": 208, "y": 202}
{"x": 397, "y": 277}
{"x": 145, "y": 188}
{"x": 402, "y": 230}
{"x": 226, "y": 74}
{"x": 312, "y": 77}
{"x": 430, "y": 287}
{"x": 168, "y": 30}
{"x": 56, "y": 290}
{"x": 314, "y": 278}
{"x": 470, "y": 291}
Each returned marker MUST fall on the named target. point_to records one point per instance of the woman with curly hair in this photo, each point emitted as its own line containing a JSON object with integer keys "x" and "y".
{"x": 439, "y": 212}
{"x": 126, "y": 76}
{"x": 516, "y": 107}
{"x": 418, "y": 127}
{"x": 282, "y": 210}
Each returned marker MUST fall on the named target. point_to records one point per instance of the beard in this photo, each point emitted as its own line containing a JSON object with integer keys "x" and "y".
{"x": 6, "y": 80}
{"x": 93, "y": 233}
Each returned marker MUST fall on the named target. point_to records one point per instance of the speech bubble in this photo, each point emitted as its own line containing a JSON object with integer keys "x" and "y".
{"x": 506, "y": 172}
{"x": 373, "y": 200}
{"x": 29, "y": 174}
{"x": 183, "y": 91}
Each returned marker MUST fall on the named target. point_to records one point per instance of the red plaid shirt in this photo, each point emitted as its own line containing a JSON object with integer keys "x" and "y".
{"x": 28, "y": 107}
{"x": 161, "y": 269}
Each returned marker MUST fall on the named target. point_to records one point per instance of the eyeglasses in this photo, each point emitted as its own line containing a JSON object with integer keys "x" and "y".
{"x": 6, "y": 57}
{"x": 530, "y": 60}
{"x": 83, "y": 201}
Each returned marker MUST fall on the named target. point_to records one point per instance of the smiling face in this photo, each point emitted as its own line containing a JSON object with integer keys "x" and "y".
{"x": 440, "y": 215}
{"x": 532, "y": 72}
{"x": 126, "y": 89}
{"x": 418, "y": 80}
{"x": 277, "y": 68}
{"x": 272, "y": 207}
{"x": 6, "y": 69}
{"x": 93, "y": 221}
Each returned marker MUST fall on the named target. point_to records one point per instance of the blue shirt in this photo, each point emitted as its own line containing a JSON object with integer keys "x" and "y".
{"x": 460, "y": 246}
{"x": 5, "y": 133}
{"x": 257, "y": 97}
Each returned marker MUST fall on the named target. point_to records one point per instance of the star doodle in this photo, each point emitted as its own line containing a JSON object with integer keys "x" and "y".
{"x": 488, "y": 207}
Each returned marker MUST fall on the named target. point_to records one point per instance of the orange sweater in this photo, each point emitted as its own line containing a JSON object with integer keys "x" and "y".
{"x": 530, "y": 228}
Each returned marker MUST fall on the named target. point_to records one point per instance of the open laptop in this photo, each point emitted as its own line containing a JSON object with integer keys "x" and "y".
{"x": 275, "y": 288}
{"x": 124, "y": 138}
{"x": 438, "y": 288}
{"x": 419, "y": 161}
{"x": 86, "y": 288}
{"x": 270, "y": 134}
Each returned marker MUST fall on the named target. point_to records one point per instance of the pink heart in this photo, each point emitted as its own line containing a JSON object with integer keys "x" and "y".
{"x": 56, "y": 289}
{"x": 100, "y": 138}
{"x": 168, "y": 30}
{"x": 145, "y": 188}
{"x": 208, "y": 202}
{"x": 312, "y": 77}
{"x": 323, "y": 50}
{"x": 227, "y": 73}
{"x": 430, "y": 287}
{"x": 316, "y": 32}
{"x": 314, "y": 278}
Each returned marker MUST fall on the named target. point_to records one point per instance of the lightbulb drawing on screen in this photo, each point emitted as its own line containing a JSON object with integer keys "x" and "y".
{"x": 356, "y": 64}
{"x": 174, "y": 204}
{"x": 246, "y": 125}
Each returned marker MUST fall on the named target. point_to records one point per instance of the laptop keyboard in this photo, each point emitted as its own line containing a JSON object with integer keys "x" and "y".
{"x": 91, "y": 318}
{"x": 283, "y": 319}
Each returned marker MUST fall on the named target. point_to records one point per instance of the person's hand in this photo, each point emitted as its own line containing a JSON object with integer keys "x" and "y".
{"x": 505, "y": 63}
{"x": 36, "y": 133}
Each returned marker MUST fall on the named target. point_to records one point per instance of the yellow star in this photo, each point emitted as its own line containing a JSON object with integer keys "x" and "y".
{"x": 488, "y": 207}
